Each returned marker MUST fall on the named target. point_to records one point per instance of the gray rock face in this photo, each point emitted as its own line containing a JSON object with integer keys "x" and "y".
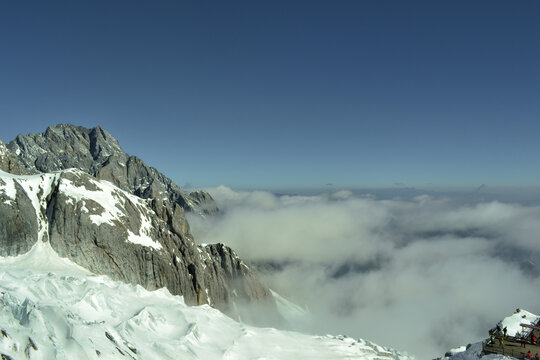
{"x": 18, "y": 221}
{"x": 98, "y": 153}
{"x": 113, "y": 232}
{"x": 9, "y": 162}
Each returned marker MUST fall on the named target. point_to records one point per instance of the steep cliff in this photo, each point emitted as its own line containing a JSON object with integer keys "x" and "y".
{"x": 114, "y": 215}
{"x": 110, "y": 231}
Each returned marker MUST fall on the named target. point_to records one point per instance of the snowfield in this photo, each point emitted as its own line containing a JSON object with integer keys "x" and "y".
{"x": 55, "y": 309}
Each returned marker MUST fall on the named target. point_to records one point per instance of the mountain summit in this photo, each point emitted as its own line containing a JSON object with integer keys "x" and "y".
{"x": 99, "y": 154}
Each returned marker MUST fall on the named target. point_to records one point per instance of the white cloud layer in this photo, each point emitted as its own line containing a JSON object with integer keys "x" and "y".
{"x": 421, "y": 275}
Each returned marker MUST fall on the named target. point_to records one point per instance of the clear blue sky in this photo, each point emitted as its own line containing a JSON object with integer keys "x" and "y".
{"x": 270, "y": 94}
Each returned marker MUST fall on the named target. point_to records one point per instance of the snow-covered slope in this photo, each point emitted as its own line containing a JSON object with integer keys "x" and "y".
{"x": 54, "y": 309}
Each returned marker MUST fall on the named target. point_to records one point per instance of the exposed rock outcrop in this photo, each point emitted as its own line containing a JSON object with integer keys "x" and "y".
{"x": 99, "y": 154}
{"x": 111, "y": 231}
{"x": 9, "y": 162}
{"x": 18, "y": 222}
{"x": 114, "y": 215}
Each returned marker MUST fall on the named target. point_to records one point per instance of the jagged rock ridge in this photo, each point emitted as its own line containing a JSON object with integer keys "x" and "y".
{"x": 98, "y": 153}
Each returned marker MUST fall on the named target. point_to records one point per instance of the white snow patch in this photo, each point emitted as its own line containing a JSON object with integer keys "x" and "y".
{"x": 210, "y": 302}
{"x": 42, "y": 257}
{"x": 113, "y": 201}
{"x": 8, "y": 188}
{"x": 144, "y": 233}
{"x": 458, "y": 350}
{"x": 143, "y": 240}
{"x": 105, "y": 196}
{"x": 37, "y": 188}
{"x": 473, "y": 353}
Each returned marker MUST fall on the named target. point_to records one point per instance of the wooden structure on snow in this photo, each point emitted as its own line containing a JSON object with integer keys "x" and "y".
{"x": 516, "y": 346}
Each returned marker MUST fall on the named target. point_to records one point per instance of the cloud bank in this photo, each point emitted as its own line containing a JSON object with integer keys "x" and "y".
{"x": 422, "y": 275}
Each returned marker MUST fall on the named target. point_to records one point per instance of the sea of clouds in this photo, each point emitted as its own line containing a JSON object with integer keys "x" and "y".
{"x": 422, "y": 274}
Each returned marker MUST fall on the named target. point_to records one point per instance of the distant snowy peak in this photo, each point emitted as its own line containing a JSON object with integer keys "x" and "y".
{"x": 109, "y": 231}
{"x": 98, "y": 153}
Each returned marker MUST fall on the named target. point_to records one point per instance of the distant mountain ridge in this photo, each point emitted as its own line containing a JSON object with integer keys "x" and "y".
{"x": 96, "y": 152}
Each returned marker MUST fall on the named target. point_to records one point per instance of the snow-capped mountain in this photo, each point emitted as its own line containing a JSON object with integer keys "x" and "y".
{"x": 112, "y": 214}
{"x": 109, "y": 231}
{"x": 97, "y": 261}
{"x": 97, "y": 153}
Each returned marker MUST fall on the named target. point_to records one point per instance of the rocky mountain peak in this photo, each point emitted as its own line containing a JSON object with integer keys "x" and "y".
{"x": 96, "y": 152}
{"x": 103, "y": 144}
{"x": 76, "y": 189}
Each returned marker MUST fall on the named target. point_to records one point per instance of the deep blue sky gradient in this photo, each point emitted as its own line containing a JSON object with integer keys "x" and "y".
{"x": 282, "y": 94}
